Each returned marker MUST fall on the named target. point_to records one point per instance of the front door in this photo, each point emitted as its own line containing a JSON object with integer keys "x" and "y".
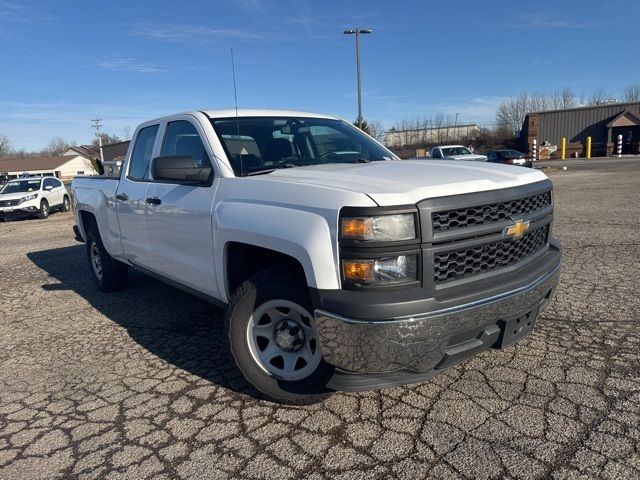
{"x": 630, "y": 139}
{"x": 131, "y": 199}
{"x": 179, "y": 218}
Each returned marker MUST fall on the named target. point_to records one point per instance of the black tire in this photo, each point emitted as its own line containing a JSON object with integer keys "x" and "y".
{"x": 113, "y": 274}
{"x": 270, "y": 284}
{"x": 66, "y": 204}
{"x": 44, "y": 210}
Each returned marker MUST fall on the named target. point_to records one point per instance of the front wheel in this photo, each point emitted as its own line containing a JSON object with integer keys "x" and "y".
{"x": 44, "y": 210}
{"x": 273, "y": 339}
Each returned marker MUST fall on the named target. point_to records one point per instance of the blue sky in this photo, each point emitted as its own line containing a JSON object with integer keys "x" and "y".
{"x": 66, "y": 62}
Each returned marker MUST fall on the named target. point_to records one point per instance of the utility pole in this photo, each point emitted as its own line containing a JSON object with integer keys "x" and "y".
{"x": 97, "y": 126}
{"x": 357, "y": 32}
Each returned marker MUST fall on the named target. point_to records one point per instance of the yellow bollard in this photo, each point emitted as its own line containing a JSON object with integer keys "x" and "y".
{"x": 564, "y": 148}
{"x": 588, "y": 147}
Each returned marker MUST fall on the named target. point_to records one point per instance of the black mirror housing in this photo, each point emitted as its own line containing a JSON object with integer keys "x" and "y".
{"x": 178, "y": 168}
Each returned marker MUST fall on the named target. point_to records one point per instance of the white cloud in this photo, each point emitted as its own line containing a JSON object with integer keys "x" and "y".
{"x": 195, "y": 34}
{"x": 123, "y": 64}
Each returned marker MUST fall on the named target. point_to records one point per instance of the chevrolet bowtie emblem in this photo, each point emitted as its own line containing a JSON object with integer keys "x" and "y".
{"x": 516, "y": 230}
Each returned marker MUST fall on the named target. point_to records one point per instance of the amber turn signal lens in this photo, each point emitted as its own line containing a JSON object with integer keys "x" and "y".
{"x": 358, "y": 271}
{"x": 355, "y": 227}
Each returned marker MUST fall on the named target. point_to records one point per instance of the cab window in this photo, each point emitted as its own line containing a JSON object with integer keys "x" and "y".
{"x": 182, "y": 140}
{"x": 142, "y": 151}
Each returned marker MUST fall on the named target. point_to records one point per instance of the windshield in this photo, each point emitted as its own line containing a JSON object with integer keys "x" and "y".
{"x": 19, "y": 186}
{"x": 449, "y": 151}
{"x": 263, "y": 144}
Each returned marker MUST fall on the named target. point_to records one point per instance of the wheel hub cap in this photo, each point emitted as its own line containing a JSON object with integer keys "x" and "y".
{"x": 289, "y": 336}
{"x": 283, "y": 340}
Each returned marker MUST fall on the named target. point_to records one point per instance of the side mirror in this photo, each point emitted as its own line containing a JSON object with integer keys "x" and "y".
{"x": 48, "y": 188}
{"x": 177, "y": 168}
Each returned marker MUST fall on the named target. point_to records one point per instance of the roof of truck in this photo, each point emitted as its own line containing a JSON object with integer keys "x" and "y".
{"x": 260, "y": 112}
{"x": 245, "y": 112}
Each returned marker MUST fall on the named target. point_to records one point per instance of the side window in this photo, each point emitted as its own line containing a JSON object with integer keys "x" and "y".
{"x": 182, "y": 140}
{"x": 142, "y": 150}
{"x": 491, "y": 156}
{"x": 56, "y": 183}
{"x": 48, "y": 183}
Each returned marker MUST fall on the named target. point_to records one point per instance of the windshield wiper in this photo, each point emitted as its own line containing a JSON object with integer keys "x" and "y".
{"x": 269, "y": 170}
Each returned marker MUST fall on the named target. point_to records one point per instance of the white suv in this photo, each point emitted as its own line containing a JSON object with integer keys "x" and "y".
{"x": 33, "y": 196}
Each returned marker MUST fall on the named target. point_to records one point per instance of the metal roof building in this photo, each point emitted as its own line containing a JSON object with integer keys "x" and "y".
{"x": 603, "y": 123}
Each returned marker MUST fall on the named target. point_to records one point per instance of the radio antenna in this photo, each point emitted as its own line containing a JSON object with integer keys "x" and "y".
{"x": 235, "y": 98}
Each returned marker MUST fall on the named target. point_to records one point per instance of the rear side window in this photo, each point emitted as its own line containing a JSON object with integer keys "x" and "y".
{"x": 142, "y": 151}
{"x": 182, "y": 140}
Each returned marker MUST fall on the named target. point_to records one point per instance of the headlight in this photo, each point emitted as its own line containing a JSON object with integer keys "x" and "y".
{"x": 381, "y": 228}
{"x": 381, "y": 271}
{"x": 29, "y": 197}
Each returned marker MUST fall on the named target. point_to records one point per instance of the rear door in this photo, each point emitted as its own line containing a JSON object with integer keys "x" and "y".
{"x": 179, "y": 216}
{"x": 131, "y": 198}
{"x": 49, "y": 192}
{"x": 58, "y": 190}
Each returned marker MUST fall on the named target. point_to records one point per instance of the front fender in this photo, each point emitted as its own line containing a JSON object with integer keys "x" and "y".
{"x": 306, "y": 236}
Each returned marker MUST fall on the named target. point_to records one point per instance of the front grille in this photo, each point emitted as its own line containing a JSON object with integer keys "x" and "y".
{"x": 9, "y": 203}
{"x": 483, "y": 214}
{"x": 466, "y": 262}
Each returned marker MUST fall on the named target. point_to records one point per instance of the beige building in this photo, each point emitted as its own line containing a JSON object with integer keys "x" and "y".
{"x": 403, "y": 138}
{"x": 63, "y": 167}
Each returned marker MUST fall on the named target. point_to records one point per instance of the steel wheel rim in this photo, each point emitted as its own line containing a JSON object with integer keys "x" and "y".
{"x": 45, "y": 209}
{"x": 96, "y": 263}
{"x": 269, "y": 355}
{"x": 66, "y": 204}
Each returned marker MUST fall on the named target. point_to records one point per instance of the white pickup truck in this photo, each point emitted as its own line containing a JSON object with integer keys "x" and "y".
{"x": 340, "y": 266}
{"x": 456, "y": 152}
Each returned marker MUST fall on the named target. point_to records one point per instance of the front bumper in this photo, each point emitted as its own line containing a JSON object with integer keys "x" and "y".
{"x": 19, "y": 211}
{"x": 374, "y": 354}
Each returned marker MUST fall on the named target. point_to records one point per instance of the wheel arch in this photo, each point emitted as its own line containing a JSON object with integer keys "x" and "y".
{"x": 244, "y": 259}
{"x": 87, "y": 222}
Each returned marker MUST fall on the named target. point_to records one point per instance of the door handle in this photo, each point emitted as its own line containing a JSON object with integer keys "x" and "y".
{"x": 154, "y": 201}
{"x": 122, "y": 197}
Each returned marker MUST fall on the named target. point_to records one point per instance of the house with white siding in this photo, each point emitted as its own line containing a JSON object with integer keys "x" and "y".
{"x": 64, "y": 167}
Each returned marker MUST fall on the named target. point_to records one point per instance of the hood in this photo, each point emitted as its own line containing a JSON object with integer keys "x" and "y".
{"x": 472, "y": 157}
{"x": 404, "y": 182}
{"x": 16, "y": 196}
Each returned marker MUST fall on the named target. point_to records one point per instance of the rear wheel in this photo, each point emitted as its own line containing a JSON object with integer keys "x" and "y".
{"x": 66, "y": 204}
{"x": 273, "y": 339}
{"x": 108, "y": 274}
{"x": 44, "y": 210}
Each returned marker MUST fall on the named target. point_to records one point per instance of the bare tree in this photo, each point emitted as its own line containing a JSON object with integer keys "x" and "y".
{"x": 57, "y": 146}
{"x": 106, "y": 139}
{"x": 376, "y": 130}
{"x": 632, "y": 93}
{"x": 564, "y": 98}
{"x": 599, "y": 97}
{"x": 126, "y": 133}
{"x": 5, "y": 145}
{"x": 511, "y": 113}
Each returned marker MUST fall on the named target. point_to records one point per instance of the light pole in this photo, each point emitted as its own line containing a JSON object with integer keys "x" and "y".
{"x": 357, "y": 32}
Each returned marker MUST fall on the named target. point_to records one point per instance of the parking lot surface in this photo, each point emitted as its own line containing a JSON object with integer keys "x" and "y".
{"x": 134, "y": 384}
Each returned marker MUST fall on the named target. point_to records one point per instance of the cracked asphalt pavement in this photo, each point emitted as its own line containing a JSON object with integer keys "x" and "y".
{"x": 134, "y": 384}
